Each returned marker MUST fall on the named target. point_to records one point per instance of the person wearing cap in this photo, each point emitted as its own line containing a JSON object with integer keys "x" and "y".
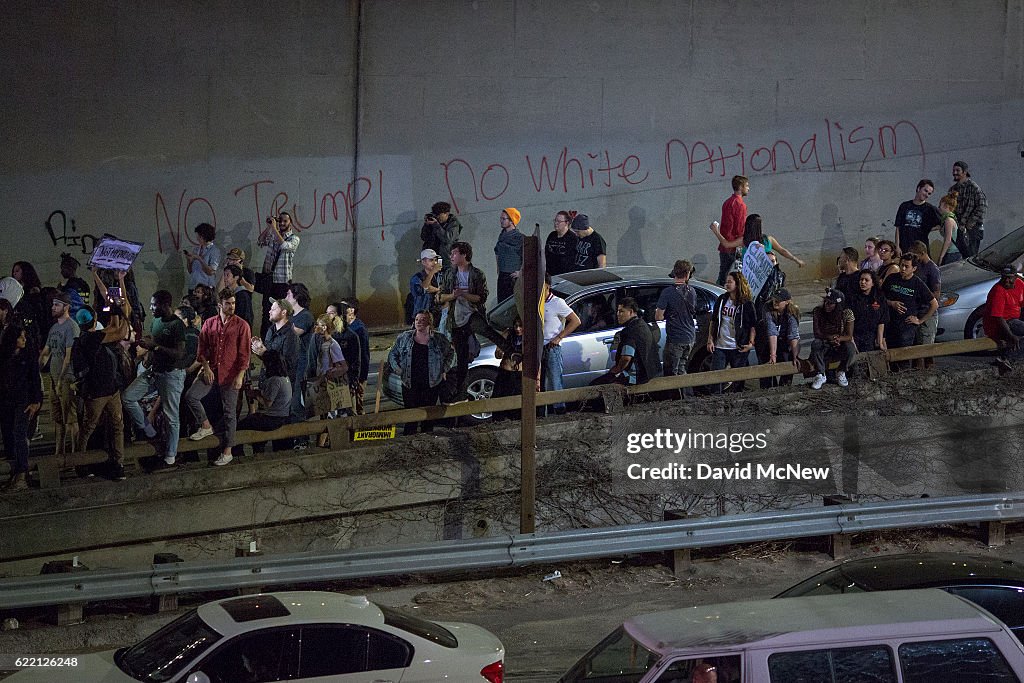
{"x": 97, "y": 364}
{"x": 911, "y": 304}
{"x": 203, "y": 264}
{"x": 1002, "y": 321}
{"x": 591, "y": 249}
{"x": 677, "y": 306}
{"x": 508, "y": 252}
{"x": 916, "y": 217}
{"x": 422, "y": 285}
{"x": 778, "y": 336}
{"x": 441, "y": 229}
{"x": 833, "y": 338}
{"x": 57, "y": 352}
{"x": 236, "y": 257}
{"x": 970, "y": 210}
{"x": 71, "y": 284}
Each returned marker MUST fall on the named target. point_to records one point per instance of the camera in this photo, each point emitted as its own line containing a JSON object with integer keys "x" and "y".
{"x": 429, "y": 217}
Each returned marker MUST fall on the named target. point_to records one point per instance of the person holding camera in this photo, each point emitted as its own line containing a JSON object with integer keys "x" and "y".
{"x": 440, "y": 229}
{"x": 281, "y": 242}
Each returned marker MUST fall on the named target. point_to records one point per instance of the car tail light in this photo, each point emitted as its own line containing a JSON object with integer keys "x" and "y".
{"x": 495, "y": 673}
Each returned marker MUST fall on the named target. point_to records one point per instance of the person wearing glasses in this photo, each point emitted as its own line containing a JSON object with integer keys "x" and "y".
{"x": 560, "y": 246}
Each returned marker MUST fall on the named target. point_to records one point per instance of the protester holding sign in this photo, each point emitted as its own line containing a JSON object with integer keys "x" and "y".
{"x": 752, "y": 232}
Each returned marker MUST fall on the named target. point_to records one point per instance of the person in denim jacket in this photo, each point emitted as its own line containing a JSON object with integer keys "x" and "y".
{"x": 779, "y": 338}
{"x": 422, "y": 357}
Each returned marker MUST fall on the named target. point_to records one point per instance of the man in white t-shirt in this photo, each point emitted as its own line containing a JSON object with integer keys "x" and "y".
{"x": 559, "y": 322}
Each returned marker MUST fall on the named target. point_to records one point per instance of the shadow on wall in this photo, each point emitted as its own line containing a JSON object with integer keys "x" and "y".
{"x": 833, "y": 240}
{"x": 384, "y": 304}
{"x": 337, "y": 281}
{"x": 630, "y": 248}
{"x": 170, "y": 275}
{"x": 240, "y": 235}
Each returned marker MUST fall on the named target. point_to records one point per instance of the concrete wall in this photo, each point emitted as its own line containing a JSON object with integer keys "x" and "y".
{"x": 144, "y": 119}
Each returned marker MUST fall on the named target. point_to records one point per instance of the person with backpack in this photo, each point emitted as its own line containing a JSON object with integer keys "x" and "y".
{"x": 100, "y": 376}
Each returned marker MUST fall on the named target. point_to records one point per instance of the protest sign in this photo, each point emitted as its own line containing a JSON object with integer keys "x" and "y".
{"x": 756, "y": 267}
{"x": 113, "y": 253}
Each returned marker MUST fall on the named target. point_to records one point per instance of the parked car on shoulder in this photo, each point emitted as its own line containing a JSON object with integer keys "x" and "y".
{"x": 911, "y": 636}
{"x": 991, "y": 582}
{"x": 590, "y": 351}
{"x": 966, "y": 284}
{"x": 293, "y": 636}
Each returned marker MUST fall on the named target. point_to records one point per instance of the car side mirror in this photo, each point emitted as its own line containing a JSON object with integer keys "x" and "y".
{"x": 197, "y": 677}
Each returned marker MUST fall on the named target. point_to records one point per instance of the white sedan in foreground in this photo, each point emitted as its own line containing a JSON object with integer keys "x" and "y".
{"x": 294, "y": 636}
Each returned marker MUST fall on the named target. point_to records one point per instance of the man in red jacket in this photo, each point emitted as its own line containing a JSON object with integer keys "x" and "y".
{"x": 1002, "y": 316}
{"x": 224, "y": 348}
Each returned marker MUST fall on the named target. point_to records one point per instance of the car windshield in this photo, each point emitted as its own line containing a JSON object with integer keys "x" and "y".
{"x": 827, "y": 583}
{"x": 1003, "y": 252}
{"x": 165, "y": 653}
{"x": 617, "y": 658}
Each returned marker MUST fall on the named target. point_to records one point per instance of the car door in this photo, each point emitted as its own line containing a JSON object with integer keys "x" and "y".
{"x": 348, "y": 653}
{"x": 256, "y": 657}
{"x": 586, "y": 354}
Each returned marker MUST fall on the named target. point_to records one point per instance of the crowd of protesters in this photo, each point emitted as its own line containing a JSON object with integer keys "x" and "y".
{"x": 198, "y": 365}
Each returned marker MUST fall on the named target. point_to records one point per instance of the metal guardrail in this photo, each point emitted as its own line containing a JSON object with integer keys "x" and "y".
{"x": 506, "y": 551}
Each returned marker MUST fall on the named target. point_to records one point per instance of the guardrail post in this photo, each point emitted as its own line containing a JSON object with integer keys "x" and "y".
{"x": 838, "y": 544}
{"x": 682, "y": 558}
{"x": 249, "y": 551}
{"x": 169, "y": 601}
{"x": 995, "y": 533}
{"x": 49, "y": 472}
{"x": 339, "y": 432}
{"x": 68, "y": 613}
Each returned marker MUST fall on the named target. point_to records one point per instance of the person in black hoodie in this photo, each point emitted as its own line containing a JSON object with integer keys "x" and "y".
{"x": 21, "y": 395}
{"x": 870, "y": 313}
{"x": 636, "y": 354}
{"x": 732, "y": 333}
{"x": 96, "y": 364}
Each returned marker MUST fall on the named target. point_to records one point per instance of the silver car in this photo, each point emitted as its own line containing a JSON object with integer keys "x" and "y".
{"x": 589, "y": 352}
{"x": 966, "y": 284}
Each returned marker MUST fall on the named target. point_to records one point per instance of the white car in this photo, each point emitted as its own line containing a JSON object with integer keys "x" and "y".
{"x": 294, "y": 636}
{"x": 966, "y": 284}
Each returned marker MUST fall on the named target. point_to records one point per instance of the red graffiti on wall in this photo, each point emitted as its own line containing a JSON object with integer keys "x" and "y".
{"x": 820, "y": 151}
{"x": 327, "y": 207}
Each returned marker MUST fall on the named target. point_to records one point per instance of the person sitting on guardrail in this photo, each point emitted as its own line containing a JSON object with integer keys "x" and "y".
{"x": 636, "y": 353}
{"x": 778, "y": 336}
{"x": 870, "y": 313}
{"x": 274, "y": 397}
{"x": 732, "y": 333}
{"x": 422, "y": 357}
{"x": 833, "y": 338}
{"x": 1002, "y": 317}
{"x": 911, "y": 302}
{"x": 928, "y": 271}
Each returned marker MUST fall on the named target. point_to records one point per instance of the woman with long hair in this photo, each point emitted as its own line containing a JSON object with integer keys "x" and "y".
{"x": 890, "y": 256}
{"x": 950, "y": 253}
{"x": 732, "y": 334}
{"x": 753, "y": 232}
{"x": 21, "y": 395}
{"x": 870, "y": 313}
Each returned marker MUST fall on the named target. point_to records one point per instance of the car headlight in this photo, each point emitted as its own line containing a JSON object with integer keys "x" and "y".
{"x": 948, "y": 299}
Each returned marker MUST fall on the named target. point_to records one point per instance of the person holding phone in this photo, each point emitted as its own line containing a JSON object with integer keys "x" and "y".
{"x": 440, "y": 229}
{"x": 203, "y": 264}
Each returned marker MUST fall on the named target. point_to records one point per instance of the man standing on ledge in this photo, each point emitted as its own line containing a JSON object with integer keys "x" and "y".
{"x": 970, "y": 210}
{"x": 508, "y": 252}
{"x": 916, "y": 217}
{"x": 734, "y": 216}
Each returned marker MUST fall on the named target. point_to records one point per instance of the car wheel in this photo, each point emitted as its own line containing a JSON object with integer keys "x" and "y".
{"x": 701, "y": 362}
{"x": 974, "y": 329}
{"x": 479, "y": 386}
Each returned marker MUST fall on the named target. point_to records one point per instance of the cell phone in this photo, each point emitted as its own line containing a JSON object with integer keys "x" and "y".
{"x": 440, "y": 262}
{"x": 114, "y": 293}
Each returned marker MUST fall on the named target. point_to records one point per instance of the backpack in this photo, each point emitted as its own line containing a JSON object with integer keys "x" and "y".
{"x": 99, "y": 369}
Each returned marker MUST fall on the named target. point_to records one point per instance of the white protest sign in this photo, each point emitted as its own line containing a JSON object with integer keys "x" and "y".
{"x": 113, "y": 253}
{"x": 756, "y": 267}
